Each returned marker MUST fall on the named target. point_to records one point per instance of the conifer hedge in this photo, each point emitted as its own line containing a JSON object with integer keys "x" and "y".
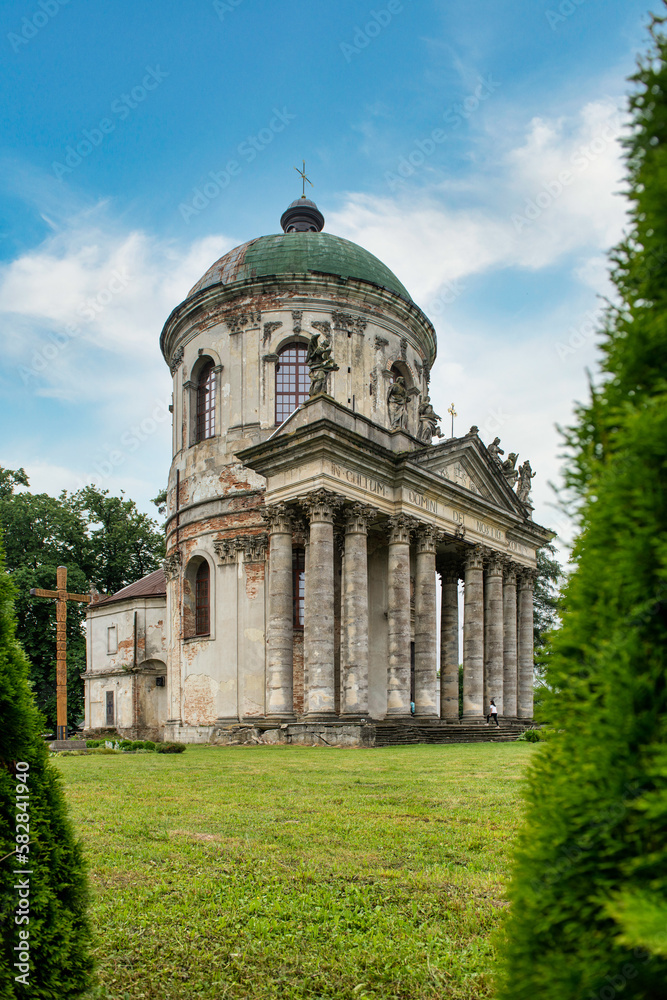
{"x": 589, "y": 897}
{"x": 42, "y": 901}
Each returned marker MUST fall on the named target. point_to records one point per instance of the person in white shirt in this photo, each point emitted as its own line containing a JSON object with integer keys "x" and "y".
{"x": 493, "y": 713}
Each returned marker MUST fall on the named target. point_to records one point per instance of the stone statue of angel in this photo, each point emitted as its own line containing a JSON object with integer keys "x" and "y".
{"x": 525, "y": 476}
{"x": 397, "y": 404}
{"x": 428, "y": 422}
{"x": 320, "y": 363}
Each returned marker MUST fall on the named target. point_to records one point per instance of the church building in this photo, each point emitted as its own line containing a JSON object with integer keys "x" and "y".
{"x": 313, "y": 504}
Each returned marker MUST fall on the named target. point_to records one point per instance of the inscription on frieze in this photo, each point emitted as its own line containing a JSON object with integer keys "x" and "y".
{"x": 489, "y": 530}
{"x": 426, "y": 503}
{"x": 359, "y": 479}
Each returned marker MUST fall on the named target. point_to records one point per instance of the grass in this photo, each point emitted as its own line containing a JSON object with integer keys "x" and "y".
{"x": 289, "y": 872}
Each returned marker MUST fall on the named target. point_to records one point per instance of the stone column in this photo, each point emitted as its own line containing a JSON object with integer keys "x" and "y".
{"x": 449, "y": 644}
{"x": 318, "y": 638}
{"x": 493, "y": 632}
{"x": 398, "y": 616}
{"x": 525, "y": 656}
{"x": 426, "y": 667}
{"x": 509, "y": 642}
{"x": 280, "y": 615}
{"x": 354, "y": 637}
{"x": 473, "y": 636}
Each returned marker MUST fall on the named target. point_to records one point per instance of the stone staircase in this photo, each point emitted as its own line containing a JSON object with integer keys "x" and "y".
{"x": 393, "y": 734}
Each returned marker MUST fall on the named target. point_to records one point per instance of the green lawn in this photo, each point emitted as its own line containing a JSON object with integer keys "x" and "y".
{"x": 298, "y": 872}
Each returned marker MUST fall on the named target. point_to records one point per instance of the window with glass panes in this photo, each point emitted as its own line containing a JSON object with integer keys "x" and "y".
{"x": 298, "y": 586}
{"x": 292, "y": 380}
{"x": 202, "y": 598}
{"x": 206, "y": 403}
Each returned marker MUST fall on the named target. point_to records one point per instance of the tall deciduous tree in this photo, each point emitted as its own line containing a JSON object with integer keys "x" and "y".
{"x": 102, "y": 539}
{"x": 589, "y": 897}
{"x": 45, "y": 940}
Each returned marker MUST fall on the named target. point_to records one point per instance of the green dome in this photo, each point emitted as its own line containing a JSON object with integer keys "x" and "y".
{"x": 300, "y": 253}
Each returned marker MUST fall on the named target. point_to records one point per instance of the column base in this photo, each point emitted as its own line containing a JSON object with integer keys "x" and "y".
{"x": 473, "y": 720}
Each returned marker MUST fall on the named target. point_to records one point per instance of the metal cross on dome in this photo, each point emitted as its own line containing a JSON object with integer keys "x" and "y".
{"x": 302, "y": 175}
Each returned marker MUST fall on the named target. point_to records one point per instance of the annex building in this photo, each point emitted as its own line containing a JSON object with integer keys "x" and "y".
{"x": 313, "y": 502}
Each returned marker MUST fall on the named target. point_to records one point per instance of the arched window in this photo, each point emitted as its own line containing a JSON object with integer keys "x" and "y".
{"x": 203, "y": 600}
{"x": 206, "y": 402}
{"x": 292, "y": 380}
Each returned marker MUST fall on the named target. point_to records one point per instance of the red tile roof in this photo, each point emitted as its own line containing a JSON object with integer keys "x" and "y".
{"x": 153, "y": 585}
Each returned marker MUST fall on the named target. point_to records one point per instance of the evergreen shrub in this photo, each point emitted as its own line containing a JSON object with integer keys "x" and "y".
{"x": 588, "y": 919}
{"x": 170, "y": 747}
{"x": 59, "y": 955}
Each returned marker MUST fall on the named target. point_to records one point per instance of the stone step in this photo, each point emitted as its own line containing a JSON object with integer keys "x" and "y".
{"x": 403, "y": 734}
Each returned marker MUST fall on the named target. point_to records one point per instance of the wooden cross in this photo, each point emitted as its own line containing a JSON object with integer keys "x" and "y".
{"x": 61, "y": 597}
{"x": 453, "y": 414}
{"x": 302, "y": 175}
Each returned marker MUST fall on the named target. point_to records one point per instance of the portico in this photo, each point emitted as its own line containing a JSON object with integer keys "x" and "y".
{"x": 412, "y": 513}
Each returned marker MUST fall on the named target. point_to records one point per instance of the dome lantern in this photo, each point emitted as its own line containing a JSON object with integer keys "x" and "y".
{"x": 302, "y": 216}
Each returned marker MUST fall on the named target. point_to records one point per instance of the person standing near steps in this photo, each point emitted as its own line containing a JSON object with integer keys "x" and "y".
{"x": 493, "y": 713}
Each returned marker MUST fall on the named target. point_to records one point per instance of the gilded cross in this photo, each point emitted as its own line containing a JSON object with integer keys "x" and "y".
{"x": 302, "y": 175}
{"x": 453, "y": 414}
{"x": 61, "y": 597}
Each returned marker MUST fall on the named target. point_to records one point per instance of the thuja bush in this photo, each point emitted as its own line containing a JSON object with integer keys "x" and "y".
{"x": 45, "y": 950}
{"x": 589, "y": 896}
{"x": 170, "y": 747}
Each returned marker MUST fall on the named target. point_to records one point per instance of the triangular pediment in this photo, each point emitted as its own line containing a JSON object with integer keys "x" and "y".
{"x": 466, "y": 463}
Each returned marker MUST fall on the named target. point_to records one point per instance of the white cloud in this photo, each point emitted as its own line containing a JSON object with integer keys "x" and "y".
{"x": 553, "y": 194}
{"x": 82, "y": 314}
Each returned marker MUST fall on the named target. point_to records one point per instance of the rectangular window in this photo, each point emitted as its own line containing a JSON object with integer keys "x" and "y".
{"x": 112, "y": 639}
{"x": 298, "y": 586}
{"x": 110, "y": 712}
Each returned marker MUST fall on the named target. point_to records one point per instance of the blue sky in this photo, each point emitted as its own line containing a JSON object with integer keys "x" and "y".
{"x": 473, "y": 146}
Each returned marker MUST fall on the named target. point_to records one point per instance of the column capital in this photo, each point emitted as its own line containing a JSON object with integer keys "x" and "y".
{"x": 401, "y": 527}
{"x": 510, "y": 571}
{"x": 427, "y": 538}
{"x": 225, "y": 549}
{"x": 526, "y": 578}
{"x": 171, "y": 566}
{"x": 278, "y": 517}
{"x": 252, "y": 547}
{"x": 493, "y": 561}
{"x": 358, "y": 518}
{"x": 473, "y": 558}
{"x": 321, "y": 505}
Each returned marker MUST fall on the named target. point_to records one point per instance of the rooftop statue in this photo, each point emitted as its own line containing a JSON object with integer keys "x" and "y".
{"x": 428, "y": 422}
{"x": 509, "y": 468}
{"x": 525, "y": 476}
{"x": 495, "y": 451}
{"x": 320, "y": 363}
